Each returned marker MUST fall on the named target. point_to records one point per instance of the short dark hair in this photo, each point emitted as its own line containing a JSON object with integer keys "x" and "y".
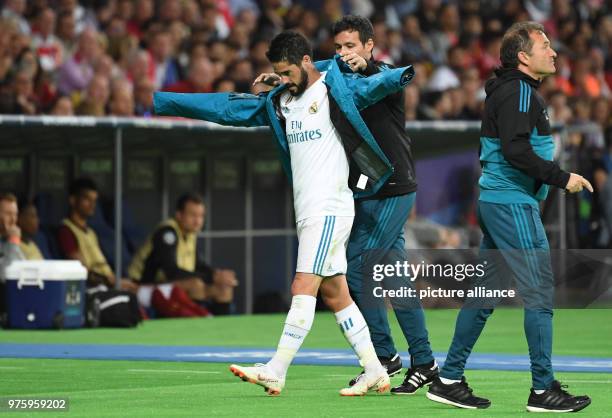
{"x": 355, "y": 23}
{"x": 289, "y": 46}
{"x": 515, "y": 40}
{"x": 190, "y": 197}
{"x": 81, "y": 185}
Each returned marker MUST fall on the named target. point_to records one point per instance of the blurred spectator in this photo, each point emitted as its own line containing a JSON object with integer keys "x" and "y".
{"x": 559, "y": 111}
{"x": 224, "y": 85}
{"x": 119, "y": 43}
{"x": 17, "y": 96}
{"x": 81, "y": 17}
{"x": 258, "y": 52}
{"x": 165, "y": 66}
{"x": 473, "y": 94}
{"x": 191, "y": 14}
{"x": 96, "y": 98}
{"x": 170, "y": 11}
{"x": 489, "y": 60}
{"x": 13, "y": 11}
{"x": 428, "y": 15}
{"x": 140, "y": 66}
{"x": 448, "y": 33}
{"x": 435, "y": 105}
{"x": 47, "y": 46}
{"x": 62, "y": 107}
{"x": 447, "y": 76}
{"x": 199, "y": 79}
{"x": 144, "y": 12}
{"x": 106, "y": 67}
{"x": 77, "y": 241}
{"x": 242, "y": 75}
{"x": 143, "y": 97}
{"x": 270, "y": 21}
{"x": 416, "y": 46}
{"x": 77, "y": 71}
{"x": 122, "y": 99}
{"x": 28, "y": 223}
{"x": 171, "y": 254}
{"x": 10, "y": 234}
{"x": 65, "y": 30}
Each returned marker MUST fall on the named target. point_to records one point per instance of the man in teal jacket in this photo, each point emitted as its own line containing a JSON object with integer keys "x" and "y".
{"x": 314, "y": 116}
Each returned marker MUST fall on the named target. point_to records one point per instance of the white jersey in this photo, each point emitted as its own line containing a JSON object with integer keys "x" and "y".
{"x": 318, "y": 161}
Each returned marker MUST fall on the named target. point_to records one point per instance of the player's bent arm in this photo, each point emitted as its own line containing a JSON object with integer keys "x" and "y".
{"x": 515, "y": 130}
{"x": 369, "y": 90}
{"x": 232, "y": 109}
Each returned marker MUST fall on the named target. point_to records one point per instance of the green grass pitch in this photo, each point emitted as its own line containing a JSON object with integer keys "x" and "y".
{"x": 168, "y": 389}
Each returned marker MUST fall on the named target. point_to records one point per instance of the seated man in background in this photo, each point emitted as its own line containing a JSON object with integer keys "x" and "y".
{"x": 10, "y": 238}
{"x": 10, "y": 234}
{"x": 77, "y": 241}
{"x": 170, "y": 254}
{"x": 28, "y": 223}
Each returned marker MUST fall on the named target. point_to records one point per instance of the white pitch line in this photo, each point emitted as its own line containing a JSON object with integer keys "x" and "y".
{"x": 171, "y": 371}
{"x": 10, "y": 368}
{"x": 587, "y": 381}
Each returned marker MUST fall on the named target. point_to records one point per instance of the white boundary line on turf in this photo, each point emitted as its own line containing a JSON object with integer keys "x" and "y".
{"x": 586, "y": 381}
{"x": 10, "y": 368}
{"x": 171, "y": 371}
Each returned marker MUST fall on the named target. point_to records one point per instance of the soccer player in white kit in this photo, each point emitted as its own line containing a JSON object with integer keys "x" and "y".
{"x": 324, "y": 211}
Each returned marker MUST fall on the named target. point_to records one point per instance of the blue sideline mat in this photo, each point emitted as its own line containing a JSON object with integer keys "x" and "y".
{"x": 252, "y": 355}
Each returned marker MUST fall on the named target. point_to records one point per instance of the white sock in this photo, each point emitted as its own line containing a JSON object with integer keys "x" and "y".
{"x": 356, "y": 331}
{"x": 449, "y": 381}
{"x": 539, "y": 391}
{"x": 297, "y": 325}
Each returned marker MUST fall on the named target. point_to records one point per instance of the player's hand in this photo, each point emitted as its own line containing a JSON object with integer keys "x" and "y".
{"x": 355, "y": 61}
{"x": 225, "y": 278}
{"x": 269, "y": 79}
{"x": 576, "y": 183}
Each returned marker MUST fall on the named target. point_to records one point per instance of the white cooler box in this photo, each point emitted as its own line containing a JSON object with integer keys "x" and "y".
{"x": 45, "y": 294}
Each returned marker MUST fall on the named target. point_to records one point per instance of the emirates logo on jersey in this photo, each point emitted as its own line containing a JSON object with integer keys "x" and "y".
{"x": 314, "y": 108}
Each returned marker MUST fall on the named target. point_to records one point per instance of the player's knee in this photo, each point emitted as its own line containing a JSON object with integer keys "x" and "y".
{"x": 305, "y": 284}
{"x": 332, "y": 302}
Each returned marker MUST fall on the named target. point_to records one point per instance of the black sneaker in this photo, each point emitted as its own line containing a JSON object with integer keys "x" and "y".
{"x": 556, "y": 399}
{"x": 393, "y": 366}
{"x": 456, "y": 394}
{"x": 417, "y": 377}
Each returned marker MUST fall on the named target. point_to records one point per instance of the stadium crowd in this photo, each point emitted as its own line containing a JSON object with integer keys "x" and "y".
{"x": 107, "y": 57}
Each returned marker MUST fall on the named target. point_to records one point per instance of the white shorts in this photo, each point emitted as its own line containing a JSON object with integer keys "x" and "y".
{"x": 322, "y": 242}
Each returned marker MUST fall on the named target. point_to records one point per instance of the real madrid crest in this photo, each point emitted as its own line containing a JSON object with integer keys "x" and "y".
{"x": 314, "y": 108}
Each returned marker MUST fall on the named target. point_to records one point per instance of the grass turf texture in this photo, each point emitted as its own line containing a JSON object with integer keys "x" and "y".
{"x": 137, "y": 388}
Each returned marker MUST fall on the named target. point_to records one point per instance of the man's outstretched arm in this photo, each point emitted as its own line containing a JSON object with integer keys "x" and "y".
{"x": 369, "y": 90}
{"x": 231, "y": 109}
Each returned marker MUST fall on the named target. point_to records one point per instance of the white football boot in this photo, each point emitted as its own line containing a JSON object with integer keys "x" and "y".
{"x": 365, "y": 383}
{"x": 260, "y": 375}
